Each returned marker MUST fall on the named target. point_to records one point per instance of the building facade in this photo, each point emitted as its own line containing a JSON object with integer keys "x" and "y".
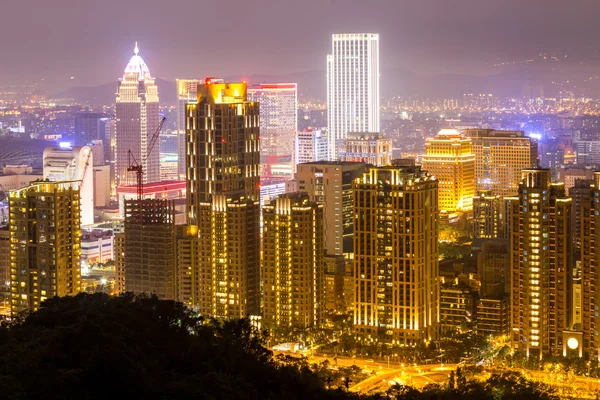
{"x": 540, "y": 257}
{"x": 370, "y": 148}
{"x": 352, "y": 86}
{"x": 330, "y": 183}
{"x": 45, "y": 246}
{"x": 396, "y": 270}
{"x": 186, "y": 92}
{"x": 149, "y": 248}
{"x": 311, "y": 146}
{"x": 137, "y": 118}
{"x": 223, "y": 189}
{"x": 487, "y": 215}
{"x": 293, "y": 262}
{"x": 500, "y": 156}
{"x": 449, "y": 157}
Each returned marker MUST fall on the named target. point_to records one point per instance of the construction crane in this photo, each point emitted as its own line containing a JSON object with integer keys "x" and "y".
{"x": 134, "y": 166}
{"x": 85, "y": 169}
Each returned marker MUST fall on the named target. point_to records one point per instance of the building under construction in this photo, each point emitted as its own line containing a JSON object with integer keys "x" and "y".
{"x": 148, "y": 248}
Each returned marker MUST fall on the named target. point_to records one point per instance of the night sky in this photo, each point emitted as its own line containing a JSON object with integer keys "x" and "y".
{"x": 93, "y": 40}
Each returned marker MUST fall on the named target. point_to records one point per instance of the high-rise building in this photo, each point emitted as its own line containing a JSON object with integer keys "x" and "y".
{"x": 186, "y": 92}
{"x": 352, "y": 86}
{"x": 581, "y": 194}
{"x": 396, "y": 270}
{"x": 590, "y": 269}
{"x": 311, "y": 146}
{"x": 278, "y": 104}
{"x": 487, "y": 215}
{"x": 541, "y": 257}
{"x": 149, "y": 248}
{"x": 110, "y": 136}
{"x": 87, "y": 127}
{"x": 500, "y": 156}
{"x": 292, "y": 262}
{"x": 45, "y": 243}
{"x": 188, "y": 251}
{"x": 330, "y": 183}
{"x": 370, "y": 148}
{"x": 137, "y": 116}
{"x": 74, "y": 165}
{"x": 223, "y": 189}
{"x": 449, "y": 157}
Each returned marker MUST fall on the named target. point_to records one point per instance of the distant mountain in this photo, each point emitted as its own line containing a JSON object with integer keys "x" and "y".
{"x": 506, "y": 82}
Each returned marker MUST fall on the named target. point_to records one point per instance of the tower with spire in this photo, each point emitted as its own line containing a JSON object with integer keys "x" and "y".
{"x": 137, "y": 117}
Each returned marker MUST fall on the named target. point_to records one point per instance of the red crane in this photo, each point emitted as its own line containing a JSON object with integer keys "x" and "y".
{"x": 133, "y": 165}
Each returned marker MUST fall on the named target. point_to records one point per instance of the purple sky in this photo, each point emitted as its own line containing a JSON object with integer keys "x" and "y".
{"x": 92, "y": 40}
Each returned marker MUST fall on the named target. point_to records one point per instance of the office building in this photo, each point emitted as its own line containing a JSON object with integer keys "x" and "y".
{"x": 397, "y": 287}
{"x": 97, "y": 246}
{"x": 149, "y": 258}
{"x": 87, "y": 127}
{"x": 352, "y": 86}
{"x": 370, "y": 148}
{"x": 278, "y": 104}
{"x": 311, "y": 146}
{"x": 541, "y": 256}
{"x": 487, "y": 215}
{"x": 335, "y": 272}
{"x": 500, "y": 156}
{"x": 223, "y": 197}
{"x": 292, "y": 262}
{"x": 186, "y": 92}
{"x": 45, "y": 246}
{"x": 330, "y": 183}
{"x": 137, "y": 117}
{"x": 458, "y": 307}
{"x": 449, "y": 157}
{"x": 570, "y": 174}
{"x": 493, "y": 316}
{"x": 74, "y": 165}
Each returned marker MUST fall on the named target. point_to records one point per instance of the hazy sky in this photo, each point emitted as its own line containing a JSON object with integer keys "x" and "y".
{"x": 92, "y": 40}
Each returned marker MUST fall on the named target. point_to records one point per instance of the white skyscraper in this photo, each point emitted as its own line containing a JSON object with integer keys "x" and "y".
{"x": 352, "y": 86}
{"x": 137, "y": 116}
{"x": 74, "y": 164}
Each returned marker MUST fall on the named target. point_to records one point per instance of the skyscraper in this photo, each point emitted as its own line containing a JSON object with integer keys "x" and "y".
{"x": 330, "y": 183}
{"x": 311, "y": 146}
{"x": 541, "y": 256}
{"x": 278, "y": 103}
{"x": 292, "y": 265}
{"x": 500, "y": 156}
{"x": 186, "y": 92}
{"x": 352, "y": 86}
{"x": 487, "y": 212}
{"x": 137, "y": 116}
{"x": 397, "y": 286}
{"x": 223, "y": 192}
{"x": 449, "y": 157}
{"x": 45, "y": 243}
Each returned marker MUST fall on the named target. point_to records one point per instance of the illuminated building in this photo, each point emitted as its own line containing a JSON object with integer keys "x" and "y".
{"x": 493, "y": 316}
{"x": 97, "y": 246}
{"x": 119, "y": 245}
{"x": 188, "y": 251}
{"x": 580, "y": 192}
{"x": 102, "y": 186}
{"x": 541, "y": 257}
{"x": 449, "y": 157}
{"x": 335, "y": 272}
{"x": 222, "y": 138}
{"x": 352, "y": 86}
{"x": 169, "y": 190}
{"x": 149, "y": 258}
{"x": 500, "y": 156}
{"x": 292, "y": 262}
{"x": 487, "y": 215}
{"x": 311, "y": 146}
{"x": 45, "y": 246}
{"x": 186, "y": 92}
{"x": 137, "y": 117}
{"x": 278, "y": 104}
{"x": 590, "y": 265}
{"x": 110, "y": 135}
{"x": 4, "y": 259}
{"x": 330, "y": 183}
{"x": 396, "y": 256}
{"x": 458, "y": 307}
{"x": 370, "y": 148}
{"x": 73, "y": 164}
